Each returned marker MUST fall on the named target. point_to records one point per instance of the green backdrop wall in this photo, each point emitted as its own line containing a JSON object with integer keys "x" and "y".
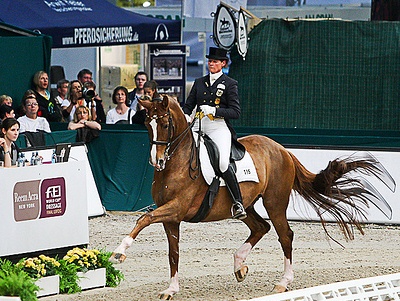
{"x": 123, "y": 176}
{"x": 23, "y": 53}
{"x": 320, "y": 75}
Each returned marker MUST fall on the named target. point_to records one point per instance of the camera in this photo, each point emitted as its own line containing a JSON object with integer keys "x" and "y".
{"x": 88, "y": 94}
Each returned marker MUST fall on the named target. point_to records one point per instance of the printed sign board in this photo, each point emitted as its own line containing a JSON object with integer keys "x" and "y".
{"x": 241, "y": 32}
{"x": 224, "y": 28}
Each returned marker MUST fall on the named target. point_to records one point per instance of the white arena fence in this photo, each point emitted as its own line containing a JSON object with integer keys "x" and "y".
{"x": 379, "y": 288}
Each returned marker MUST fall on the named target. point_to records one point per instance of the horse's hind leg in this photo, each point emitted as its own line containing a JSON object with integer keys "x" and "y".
{"x": 258, "y": 228}
{"x": 285, "y": 234}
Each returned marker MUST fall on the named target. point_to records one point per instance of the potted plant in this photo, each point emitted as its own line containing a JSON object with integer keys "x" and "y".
{"x": 15, "y": 282}
{"x": 43, "y": 270}
{"x": 93, "y": 268}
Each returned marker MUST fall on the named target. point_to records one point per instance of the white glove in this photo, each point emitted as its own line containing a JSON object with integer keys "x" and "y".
{"x": 207, "y": 110}
{"x": 188, "y": 118}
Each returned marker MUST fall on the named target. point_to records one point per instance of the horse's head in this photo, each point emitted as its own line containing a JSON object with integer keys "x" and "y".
{"x": 165, "y": 122}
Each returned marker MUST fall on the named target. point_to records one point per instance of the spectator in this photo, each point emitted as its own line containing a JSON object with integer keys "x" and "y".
{"x": 75, "y": 99}
{"x": 6, "y": 112}
{"x": 5, "y": 99}
{"x": 62, "y": 88}
{"x": 140, "y": 78}
{"x": 31, "y": 122}
{"x": 121, "y": 111}
{"x": 9, "y": 134}
{"x": 86, "y": 128}
{"x": 82, "y": 118}
{"x": 98, "y": 113}
{"x": 47, "y": 107}
{"x": 150, "y": 89}
{"x": 85, "y": 75}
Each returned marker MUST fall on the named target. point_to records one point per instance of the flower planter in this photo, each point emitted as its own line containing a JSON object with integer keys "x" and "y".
{"x": 49, "y": 285}
{"x": 92, "y": 279}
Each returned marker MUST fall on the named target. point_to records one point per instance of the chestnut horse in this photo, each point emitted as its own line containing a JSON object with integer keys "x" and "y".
{"x": 178, "y": 194}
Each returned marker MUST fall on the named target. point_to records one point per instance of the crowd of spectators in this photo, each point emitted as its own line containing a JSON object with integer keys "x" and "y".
{"x": 76, "y": 102}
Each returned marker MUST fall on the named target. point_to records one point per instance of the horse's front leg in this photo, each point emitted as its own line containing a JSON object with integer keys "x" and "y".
{"x": 165, "y": 213}
{"x": 172, "y": 231}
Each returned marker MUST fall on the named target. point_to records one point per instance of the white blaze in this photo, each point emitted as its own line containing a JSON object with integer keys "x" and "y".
{"x": 153, "y": 151}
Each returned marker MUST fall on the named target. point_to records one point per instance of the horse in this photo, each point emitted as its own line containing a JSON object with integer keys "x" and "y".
{"x": 178, "y": 191}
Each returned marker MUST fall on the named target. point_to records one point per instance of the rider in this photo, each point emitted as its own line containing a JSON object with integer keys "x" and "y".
{"x": 216, "y": 95}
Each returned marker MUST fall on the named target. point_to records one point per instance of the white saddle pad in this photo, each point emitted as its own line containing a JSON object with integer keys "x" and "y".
{"x": 245, "y": 169}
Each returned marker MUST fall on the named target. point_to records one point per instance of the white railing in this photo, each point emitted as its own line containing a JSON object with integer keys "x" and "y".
{"x": 380, "y": 288}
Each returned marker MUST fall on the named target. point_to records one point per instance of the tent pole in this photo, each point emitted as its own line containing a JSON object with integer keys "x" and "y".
{"x": 99, "y": 87}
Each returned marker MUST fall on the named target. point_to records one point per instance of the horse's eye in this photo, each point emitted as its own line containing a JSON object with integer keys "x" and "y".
{"x": 165, "y": 126}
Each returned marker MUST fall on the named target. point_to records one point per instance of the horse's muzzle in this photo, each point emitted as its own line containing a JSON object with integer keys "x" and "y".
{"x": 160, "y": 165}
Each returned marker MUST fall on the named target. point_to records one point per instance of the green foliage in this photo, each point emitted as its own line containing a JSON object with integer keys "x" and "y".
{"x": 68, "y": 277}
{"x": 113, "y": 276}
{"x": 134, "y": 3}
{"x": 19, "y": 279}
{"x": 15, "y": 282}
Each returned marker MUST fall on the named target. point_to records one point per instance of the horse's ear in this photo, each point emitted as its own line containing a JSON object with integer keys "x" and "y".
{"x": 165, "y": 101}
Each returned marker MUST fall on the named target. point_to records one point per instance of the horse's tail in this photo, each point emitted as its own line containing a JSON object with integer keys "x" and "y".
{"x": 332, "y": 192}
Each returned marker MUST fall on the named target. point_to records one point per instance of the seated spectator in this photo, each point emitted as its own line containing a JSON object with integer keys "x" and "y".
{"x": 82, "y": 118}
{"x": 87, "y": 129}
{"x": 9, "y": 134}
{"x": 6, "y": 100}
{"x": 75, "y": 99}
{"x": 47, "y": 107}
{"x": 121, "y": 112}
{"x": 32, "y": 125}
{"x": 6, "y": 112}
{"x": 95, "y": 102}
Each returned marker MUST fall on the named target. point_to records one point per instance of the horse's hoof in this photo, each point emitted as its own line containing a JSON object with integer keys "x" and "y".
{"x": 164, "y": 296}
{"x": 241, "y": 273}
{"x": 279, "y": 289}
{"x": 117, "y": 258}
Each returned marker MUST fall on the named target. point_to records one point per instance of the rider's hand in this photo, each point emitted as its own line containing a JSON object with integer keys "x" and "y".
{"x": 208, "y": 110}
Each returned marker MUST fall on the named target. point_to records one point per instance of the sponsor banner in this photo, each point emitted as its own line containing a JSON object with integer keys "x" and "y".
{"x": 39, "y": 199}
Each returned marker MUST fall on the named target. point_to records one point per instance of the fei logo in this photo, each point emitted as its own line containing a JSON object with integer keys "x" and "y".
{"x": 53, "y": 197}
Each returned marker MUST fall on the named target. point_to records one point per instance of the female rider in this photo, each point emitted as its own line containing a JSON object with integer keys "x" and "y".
{"x": 216, "y": 95}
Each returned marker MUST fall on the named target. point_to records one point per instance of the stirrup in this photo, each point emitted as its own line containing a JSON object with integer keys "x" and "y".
{"x": 238, "y": 211}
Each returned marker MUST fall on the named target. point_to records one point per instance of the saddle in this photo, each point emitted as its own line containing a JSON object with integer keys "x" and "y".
{"x": 238, "y": 151}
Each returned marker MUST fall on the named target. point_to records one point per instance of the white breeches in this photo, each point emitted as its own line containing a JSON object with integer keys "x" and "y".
{"x": 219, "y": 132}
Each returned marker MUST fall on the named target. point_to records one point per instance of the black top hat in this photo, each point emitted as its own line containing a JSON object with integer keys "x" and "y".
{"x": 217, "y": 54}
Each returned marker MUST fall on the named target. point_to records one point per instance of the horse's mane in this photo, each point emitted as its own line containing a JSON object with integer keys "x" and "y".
{"x": 174, "y": 105}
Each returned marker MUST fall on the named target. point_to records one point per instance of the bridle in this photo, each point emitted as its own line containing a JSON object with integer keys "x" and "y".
{"x": 171, "y": 130}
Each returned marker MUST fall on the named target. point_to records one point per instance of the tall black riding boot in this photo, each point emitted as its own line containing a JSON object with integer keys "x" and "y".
{"x": 234, "y": 189}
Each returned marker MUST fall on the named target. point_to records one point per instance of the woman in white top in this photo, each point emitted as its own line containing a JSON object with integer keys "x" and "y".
{"x": 121, "y": 111}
